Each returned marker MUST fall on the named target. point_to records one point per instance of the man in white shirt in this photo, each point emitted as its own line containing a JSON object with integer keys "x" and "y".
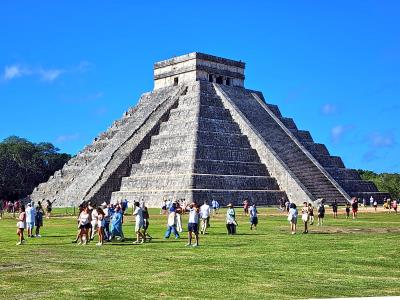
{"x": 30, "y": 218}
{"x": 138, "y": 214}
{"x": 205, "y": 217}
{"x": 193, "y": 225}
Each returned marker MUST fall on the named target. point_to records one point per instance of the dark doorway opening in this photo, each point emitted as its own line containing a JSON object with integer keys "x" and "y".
{"x": 175, "y": 81}
{"x": 219, "y": 80}
{"x": 228, "y": 81}
{"x": 210, "y": 78}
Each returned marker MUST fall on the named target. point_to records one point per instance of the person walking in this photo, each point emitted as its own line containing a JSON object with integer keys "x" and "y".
{"x": 292, "y": 217}
{"x": 94, "y": 221}
{"x": 49, "y": 208}
{"x": 375, "y": 205}
{"x": 205, "y": 217}
{"x": 246, "y": 205}
{"x": 231, "y": 220}
{"x": 305, "y": 216}
{"x": 138, "y": 214}
{"x": 347, "y": 210}
{"x": 215, "y": 206}
{"x": 253, "y": 217}
{"x": 146, "y": 217}
{"x": 311, "y": 213}
{"x": 193, "y": 225}
{"x": 178, "y": 212}
{"x": 354, "y": 207}
{"x": 171, "y": 223}
{"x": 21, "y": 225}
{"x": 100, "y": 226}
{"x": 394, "y": 205}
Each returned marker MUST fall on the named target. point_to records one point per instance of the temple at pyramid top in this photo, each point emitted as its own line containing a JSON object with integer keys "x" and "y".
{"x": 198, "y": 66}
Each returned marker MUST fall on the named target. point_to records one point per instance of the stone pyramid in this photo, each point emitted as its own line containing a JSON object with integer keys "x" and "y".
{"x": 200, "y": 135}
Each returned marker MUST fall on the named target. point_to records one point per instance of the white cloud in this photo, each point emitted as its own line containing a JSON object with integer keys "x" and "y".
{"x": 338, "y": 131}
{"x": 50, "y": 75}
{"x": 379, "y": 140}
{"x": 67, "y": 137}
{"x": 11, "y": 72}
{"x": 328, "y": 109}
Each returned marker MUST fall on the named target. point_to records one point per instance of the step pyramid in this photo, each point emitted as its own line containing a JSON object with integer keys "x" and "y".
{"x": 200, "y": 135}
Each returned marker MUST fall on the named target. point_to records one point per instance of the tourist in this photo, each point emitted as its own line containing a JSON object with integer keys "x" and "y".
{"x": 38, "y": 219}
{"x": 253, "y": 217}
{"x": 205, "y": 212}
{"x": 375, "y": 205}
{"x": 30, "y": 219}
{"x": 334, "y": 209}
{"x": 100, "y": 225}
{"x": 347, "y": 210}
{"x": 168, "y": 204}
{"x": 183, "y": 205}
{"x": 389, "y": 205}
{"x": 311, "y": 213}
{"x": 117, "y": 220}
{"x": 146, "y": 217}
{"x": 138, "y": 214}
{"x": 305, "y": 216}
{"x": 287, "y": 205}
{"x": 292, "y": 217}
{"x": 94, "y": 221}
{"x": 171, "y": 224}
{"x": 231, "y": 220}
{"x": 193, "y": 225}
{"x": 124, "y": 206}
{"x": 49, "y": 208}
{"x": 394, "y": 205}
{"x": 371, "y": 201}
{"x": 21, "y": 225}
{"x": 163, "y": 210}
{"x": 354, "y": 206}
{"x": 246, "y": 205}
{"x": 321, "y": 214}
{"x": 84, "y": 225}
{"x": 385, "y": 204}
{"x": 364, "y": 202}
{"x": 178, "y": 216}
{"x": 215, "y": 206}
{"x": 107, "y": 219}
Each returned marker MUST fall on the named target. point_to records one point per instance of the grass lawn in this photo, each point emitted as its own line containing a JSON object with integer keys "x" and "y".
{"x": 342, "y": 258}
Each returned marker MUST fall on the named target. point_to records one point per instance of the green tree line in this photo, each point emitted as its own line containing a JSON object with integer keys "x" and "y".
{"x": 23, "y": 165}
{"x": 385, "y": 182}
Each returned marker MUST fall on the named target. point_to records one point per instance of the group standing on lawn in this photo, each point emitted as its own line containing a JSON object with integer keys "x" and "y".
{"x": 107, "y": 220}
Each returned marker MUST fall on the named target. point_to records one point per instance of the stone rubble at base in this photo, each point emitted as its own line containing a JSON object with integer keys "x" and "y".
{"x": 200, "y": 135}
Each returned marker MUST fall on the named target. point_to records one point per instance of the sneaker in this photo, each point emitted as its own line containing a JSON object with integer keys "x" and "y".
{"x": 99, "y": 244}
{"x": 135, "y": 242}
{"x": 19, "y": 243}
{"x": 142, "y": 242}
{"x": 293, "y": 232}
{"x": 188, "y": 245}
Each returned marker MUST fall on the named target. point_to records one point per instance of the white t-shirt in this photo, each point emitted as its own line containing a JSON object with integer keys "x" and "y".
{"x": 138, "y": 215}
{"x": 95, "y": 215}
{"x": 205, "y": 211}
{"x": 30, "y": 214}
{"x": 193, "y": 216}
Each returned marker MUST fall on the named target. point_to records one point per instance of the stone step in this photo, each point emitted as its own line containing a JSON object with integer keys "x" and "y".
{"x": 303, "y": 136}
{"x": 153, "y": 198}
{"x": 204, "y": 166}
{"x": 343, "y": 173}
{"x": 211, "y": 112}
{"x": 357, "y": 185}
{"x": 329, "y": 161}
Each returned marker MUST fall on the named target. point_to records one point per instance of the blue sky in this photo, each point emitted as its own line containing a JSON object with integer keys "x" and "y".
{"x": 68, "y": 69}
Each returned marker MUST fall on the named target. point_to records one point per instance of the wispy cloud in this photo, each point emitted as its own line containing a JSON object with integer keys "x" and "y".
{"x": 328, "y": 109}
{"x": 339, "y": 131}
{"x": 381, "y": 140}
{"x": 67, "y": 137}
{"x": 45, "y": 74}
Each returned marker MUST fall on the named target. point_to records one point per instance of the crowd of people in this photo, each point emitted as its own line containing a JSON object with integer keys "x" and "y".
{"x": 106, "y": 220}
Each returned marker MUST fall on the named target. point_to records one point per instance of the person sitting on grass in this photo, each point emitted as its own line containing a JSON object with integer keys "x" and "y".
{"x": 292, "y": 217}
{"x": 305, "y": 216}
{"x": 116, "y": 224}
{"x": 138, "y": 214}
{"x": 21, "y": 225}
{"x": 231, "y": 220}
{"x": 171, "y": 224}
{"x": 193, "y": 225}
{"x": 321, "y": 214}
{"x": 253, "y": 217}
{"x": 38, "y": 219}
{"x": 100, "y": 225}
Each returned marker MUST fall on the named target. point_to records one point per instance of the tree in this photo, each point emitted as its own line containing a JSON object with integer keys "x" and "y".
{"x": 23, "y": 165}
{"x": 385, "y": 182}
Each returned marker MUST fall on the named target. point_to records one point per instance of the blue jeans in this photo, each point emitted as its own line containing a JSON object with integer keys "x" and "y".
{"x": 107, "y": 232}
{"x": 173, "y": 230}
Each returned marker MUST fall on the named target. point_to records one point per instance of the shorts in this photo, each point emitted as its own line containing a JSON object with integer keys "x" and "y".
{"x": 85, "y": 226}
{"x": 101, "y": 224}
{"x": 294, "y": 220}
{"x": 321, "y": 216}
{"x": 254, "y": 220}
{"x": 21, "y": 225}
{"x": 30, "y": 225}
{"x": 138, "y": 226}
{"x": 39, "y": 223}
{"x": 355, "y": 210}
{"x": 193, "y": 227}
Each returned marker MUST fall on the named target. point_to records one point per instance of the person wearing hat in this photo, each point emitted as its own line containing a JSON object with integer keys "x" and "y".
{"x": 231, "y": 220}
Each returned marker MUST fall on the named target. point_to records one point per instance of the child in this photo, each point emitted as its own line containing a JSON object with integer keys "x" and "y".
{"x": 21, "y": 225}
{"x": 38, "y": 219}
{"x": 292, "y": 217}
{"x": 305, "y": 216}
{"x": 321, "y": 214}
{"x": 253, "y": 217}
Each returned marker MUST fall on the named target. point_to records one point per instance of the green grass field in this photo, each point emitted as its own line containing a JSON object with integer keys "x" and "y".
{"x": 342, "y": 258}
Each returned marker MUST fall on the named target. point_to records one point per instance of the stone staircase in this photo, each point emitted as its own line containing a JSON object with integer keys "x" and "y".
{"x": 200, "y": 154}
